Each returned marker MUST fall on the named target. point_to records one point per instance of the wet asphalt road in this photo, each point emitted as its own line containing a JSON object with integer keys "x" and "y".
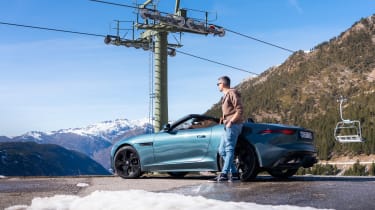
{"x": 313, "y": 191}
{"x": 319, "y": 192}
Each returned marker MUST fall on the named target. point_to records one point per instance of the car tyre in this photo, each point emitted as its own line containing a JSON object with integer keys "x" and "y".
{"x": 127, "y": 163}
{"x": 286, "y": 173}
{"x": 246, "y": 162}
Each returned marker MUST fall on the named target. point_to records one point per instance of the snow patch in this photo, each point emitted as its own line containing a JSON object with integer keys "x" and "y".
{"x": 106, "y": 128}
{"x": 34, "y": 134}
{"x": 82, "y": 185}
{"x": 139, "y": 199}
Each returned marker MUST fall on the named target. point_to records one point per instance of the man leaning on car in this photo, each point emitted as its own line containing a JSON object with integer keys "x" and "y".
{"x": 232, "y": 118}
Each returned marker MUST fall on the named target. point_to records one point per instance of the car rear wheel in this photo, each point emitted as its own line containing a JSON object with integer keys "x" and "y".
{"x": 127, "y": 164}
{"x": 177, "y": 174}
{"x": 246, "y": 162}
{"x": 282, "y": 173}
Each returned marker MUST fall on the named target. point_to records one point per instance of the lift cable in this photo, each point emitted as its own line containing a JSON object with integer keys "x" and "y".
{"x": 216, "y": 62}
{"x": 52, "y": 29}
{"x": 116, "y": 4}
{"x": 258, "y": 40}
{"x": 100, "y": 35}
{"x": 229, "y": 30}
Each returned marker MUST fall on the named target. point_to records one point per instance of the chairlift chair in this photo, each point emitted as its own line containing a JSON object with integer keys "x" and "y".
{"x": 347, "y": 131}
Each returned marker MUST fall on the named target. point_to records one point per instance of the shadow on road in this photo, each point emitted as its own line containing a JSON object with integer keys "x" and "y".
{"x": 265, "y": 178}
{"x": 317, "y": 178}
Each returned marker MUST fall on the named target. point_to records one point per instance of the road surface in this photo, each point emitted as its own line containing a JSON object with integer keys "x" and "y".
{"x": 314, "y": 191}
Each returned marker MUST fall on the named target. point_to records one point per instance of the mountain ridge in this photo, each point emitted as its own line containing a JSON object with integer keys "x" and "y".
{"x": 94, "y": 140}
{"x": 303, "y": 90}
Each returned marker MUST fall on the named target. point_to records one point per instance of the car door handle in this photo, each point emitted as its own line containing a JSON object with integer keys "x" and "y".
{"x": 201, "y": 136}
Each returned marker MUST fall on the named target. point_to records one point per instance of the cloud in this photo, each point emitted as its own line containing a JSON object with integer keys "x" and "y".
{"x": 295, "y": 4}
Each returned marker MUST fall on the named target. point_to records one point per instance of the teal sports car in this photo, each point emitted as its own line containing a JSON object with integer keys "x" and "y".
{"x": 191, "y": 145}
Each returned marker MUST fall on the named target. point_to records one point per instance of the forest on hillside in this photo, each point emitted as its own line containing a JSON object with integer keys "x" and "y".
{"x": 304, "y": 90}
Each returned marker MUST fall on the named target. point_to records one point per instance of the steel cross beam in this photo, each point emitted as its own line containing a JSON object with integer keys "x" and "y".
{"x": 155, "y": 37}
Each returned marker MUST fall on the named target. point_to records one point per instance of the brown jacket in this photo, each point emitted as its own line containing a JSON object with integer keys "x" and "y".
{"x": 230, "y": 104}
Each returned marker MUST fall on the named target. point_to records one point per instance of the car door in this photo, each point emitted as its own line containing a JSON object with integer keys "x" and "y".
{"x": 181, "y": 149}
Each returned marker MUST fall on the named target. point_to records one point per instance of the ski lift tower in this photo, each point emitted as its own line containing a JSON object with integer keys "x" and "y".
{"x": 156, "y": 26}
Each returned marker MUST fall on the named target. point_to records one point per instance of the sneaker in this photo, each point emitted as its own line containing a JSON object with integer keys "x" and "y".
{"x": 235, "y": 177}
{"x": 221, "y": 178}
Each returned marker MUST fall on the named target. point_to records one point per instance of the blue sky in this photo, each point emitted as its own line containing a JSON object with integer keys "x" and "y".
{"x": 51, "y": 80}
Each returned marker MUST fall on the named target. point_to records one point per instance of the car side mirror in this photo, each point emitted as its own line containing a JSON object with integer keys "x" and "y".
{"x": 167, "y": 127}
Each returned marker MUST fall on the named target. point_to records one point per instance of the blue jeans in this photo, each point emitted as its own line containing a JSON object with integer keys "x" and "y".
{"x": 227, "y": 146}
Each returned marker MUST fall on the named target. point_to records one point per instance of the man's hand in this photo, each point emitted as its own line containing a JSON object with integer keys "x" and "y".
{"x": 229, "y": 124}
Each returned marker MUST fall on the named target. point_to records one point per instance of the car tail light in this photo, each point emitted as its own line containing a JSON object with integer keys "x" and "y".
{"x": 283, "y": 131}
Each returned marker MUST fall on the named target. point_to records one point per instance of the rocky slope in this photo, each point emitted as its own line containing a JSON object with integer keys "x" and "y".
{"x": 305, "y": 88}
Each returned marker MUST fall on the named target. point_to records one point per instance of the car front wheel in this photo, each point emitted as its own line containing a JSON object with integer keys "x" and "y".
{"x": 127, "y": 164}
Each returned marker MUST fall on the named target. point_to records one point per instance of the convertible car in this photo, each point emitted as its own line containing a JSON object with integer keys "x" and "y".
{"x": 191, "y": 145}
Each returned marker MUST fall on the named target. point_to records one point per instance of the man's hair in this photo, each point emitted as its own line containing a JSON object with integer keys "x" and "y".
{"x": 226, "y": 80}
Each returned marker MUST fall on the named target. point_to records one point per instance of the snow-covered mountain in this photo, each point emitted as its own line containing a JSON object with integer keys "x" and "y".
{"x": 93, "y": 140}
{"x": 107, "y": 130}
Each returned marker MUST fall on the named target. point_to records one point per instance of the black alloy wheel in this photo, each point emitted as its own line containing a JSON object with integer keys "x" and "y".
{"x": 246, "y": 162}
{"x": 127, "y": 164}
